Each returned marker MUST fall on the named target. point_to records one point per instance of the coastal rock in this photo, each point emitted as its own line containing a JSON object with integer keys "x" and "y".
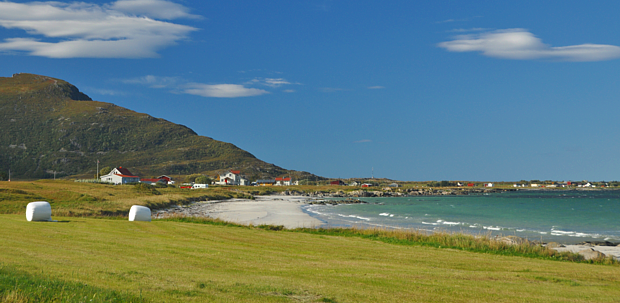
{"x": 590, "y": 254}
{"x": 554, "y": 245}
{"x": 514, "y": 240}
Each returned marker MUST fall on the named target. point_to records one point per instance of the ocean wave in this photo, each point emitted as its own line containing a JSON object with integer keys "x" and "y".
{"x": 555, "y": 232}
{"x": 353, "y": 216}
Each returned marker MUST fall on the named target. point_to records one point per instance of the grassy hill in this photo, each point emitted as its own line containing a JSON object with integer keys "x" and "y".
{"x": 49, "y": 126}
{"x": 165, "y": 261}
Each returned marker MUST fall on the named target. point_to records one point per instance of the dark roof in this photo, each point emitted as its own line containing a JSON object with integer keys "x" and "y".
{"x": 265, "y": 181}
{"x": 125, "y": 172}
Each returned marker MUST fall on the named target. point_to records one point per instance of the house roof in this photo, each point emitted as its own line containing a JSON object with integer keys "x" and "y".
{"x": 236, "y": 172}
{"x": 127, "y": 176}
{"x": 283, "y": 179}
{"x": 125, "y": 172}
{"x": 265, "y": 181}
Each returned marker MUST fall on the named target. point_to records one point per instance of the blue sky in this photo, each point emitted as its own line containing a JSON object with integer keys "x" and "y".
{"x": 416, "y": 90}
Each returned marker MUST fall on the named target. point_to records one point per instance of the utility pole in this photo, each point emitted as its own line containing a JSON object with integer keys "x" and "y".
{"x": 9, "y": 175}
{"x": 97, "y": 169}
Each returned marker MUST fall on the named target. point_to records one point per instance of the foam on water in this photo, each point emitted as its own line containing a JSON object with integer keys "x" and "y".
{"x": 550, "y": 216}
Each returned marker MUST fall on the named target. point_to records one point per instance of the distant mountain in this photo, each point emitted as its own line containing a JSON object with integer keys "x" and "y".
{"x": 48, "y": 125}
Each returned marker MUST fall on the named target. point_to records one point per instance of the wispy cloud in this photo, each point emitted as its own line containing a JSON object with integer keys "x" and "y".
{"x": 154, "y": 81}
{"x": 289, "y": 90}
{"x": 467, "y": 30}
{"x": 520, "y": 44}
{"x": 457, "y": 20}
{"x": 222, "y": 90}
{"x": 363, "y": 141}
{"x": 271, "y": 82}
{"x": 210, "y": 90}
{"x": 376, "y": 87}
{"x": 161, "y": 9}
{"x": 121, "y": 29}
{"x": 105, "y": 92}
{"x": 331, "y": 89}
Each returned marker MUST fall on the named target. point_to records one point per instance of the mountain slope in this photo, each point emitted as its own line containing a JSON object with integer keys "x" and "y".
{"x": 48, "y": 125}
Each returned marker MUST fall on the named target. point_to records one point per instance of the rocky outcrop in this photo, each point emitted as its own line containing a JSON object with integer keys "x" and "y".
{"x": 514, "y": 240}
{"x": 368, "y": 193}
{"x": 554, "y": 245}
{"x": 337, "y": 202}
{"x": 591, "y": 254}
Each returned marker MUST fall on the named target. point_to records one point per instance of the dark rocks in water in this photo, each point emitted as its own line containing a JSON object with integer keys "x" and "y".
{"x": 337, "y": 202}
{"x": 598, "y": 243}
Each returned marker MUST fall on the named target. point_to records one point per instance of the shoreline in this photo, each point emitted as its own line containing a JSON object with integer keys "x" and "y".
{"x": 263, "y": 210}
{"x": 290, "y": 212}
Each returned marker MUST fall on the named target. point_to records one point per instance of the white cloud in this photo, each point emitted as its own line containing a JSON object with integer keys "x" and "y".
{"x": 153, "y": 8}
{"x": 520, "y": 44}
{"x": 105, "y": 92}
{"x": 222, "y": 90}
{"x": 154, "y": 81}
{"x": 376, "y": 87}
{"x": 289, "y": 90}
{"x": 81, "y": 30}
{"x": 271, "y": 82}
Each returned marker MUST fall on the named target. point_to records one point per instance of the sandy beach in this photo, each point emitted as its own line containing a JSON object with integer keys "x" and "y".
{"x": 287, "y": 211}
{"x": 272, "y": 210}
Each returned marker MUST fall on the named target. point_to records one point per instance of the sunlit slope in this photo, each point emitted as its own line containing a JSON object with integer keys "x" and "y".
{"x": 48, "y": 125}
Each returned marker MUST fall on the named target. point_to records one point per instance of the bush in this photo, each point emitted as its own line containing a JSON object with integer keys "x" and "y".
{"x": 145, "y": 188}
{"x": 203, "y": 180}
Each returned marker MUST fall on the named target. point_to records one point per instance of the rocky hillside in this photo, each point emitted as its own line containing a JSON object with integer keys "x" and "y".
{"x": 49, "y": 125}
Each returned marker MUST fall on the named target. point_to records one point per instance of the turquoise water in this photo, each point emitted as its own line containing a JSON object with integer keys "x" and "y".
{"x": 563, "y": 216}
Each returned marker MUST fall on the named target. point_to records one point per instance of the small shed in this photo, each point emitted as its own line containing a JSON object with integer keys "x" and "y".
{"x": 39, "y": 211}
{"x": 140, "y": 213}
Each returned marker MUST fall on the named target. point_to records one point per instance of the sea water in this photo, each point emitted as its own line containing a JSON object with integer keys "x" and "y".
{"x": 564, "y": 216}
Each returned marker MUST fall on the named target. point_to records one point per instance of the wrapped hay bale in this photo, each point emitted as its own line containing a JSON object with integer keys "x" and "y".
{"x": 39, "y": 211}
{"x": 140, "y": 213}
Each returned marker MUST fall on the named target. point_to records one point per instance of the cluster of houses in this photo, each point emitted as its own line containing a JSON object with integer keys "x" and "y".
{"x": 122, "y": 175}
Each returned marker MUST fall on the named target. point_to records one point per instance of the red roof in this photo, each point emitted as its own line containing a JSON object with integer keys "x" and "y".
{"x": 236, "y": 172}
{"x": 283, "y": 179}
{"x": 125, "y": 172}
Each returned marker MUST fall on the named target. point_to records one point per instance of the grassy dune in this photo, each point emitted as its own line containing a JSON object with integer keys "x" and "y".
{"x": 167, "y": 261}
{"x": 86, "y": 199}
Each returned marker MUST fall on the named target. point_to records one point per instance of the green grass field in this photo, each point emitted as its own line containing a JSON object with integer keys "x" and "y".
{"x": 93, "y": 254}
{"x": 167, "y": 261}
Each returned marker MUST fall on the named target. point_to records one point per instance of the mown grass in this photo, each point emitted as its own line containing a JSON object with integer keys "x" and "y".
{"x": 176, "y": 261}
{"x": 21, "y": 287}
{"x": 479, "y": 244}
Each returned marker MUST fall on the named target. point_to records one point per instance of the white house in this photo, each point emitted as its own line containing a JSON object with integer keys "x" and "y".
{"x": 283, "y": 181}
{"x": 233, "y": 177}
{"x": 120, "y": 176}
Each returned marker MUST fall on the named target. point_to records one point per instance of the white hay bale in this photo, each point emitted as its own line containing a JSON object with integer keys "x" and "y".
{"x": 140, "y": 213}
{"x": 39, "y": 211}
